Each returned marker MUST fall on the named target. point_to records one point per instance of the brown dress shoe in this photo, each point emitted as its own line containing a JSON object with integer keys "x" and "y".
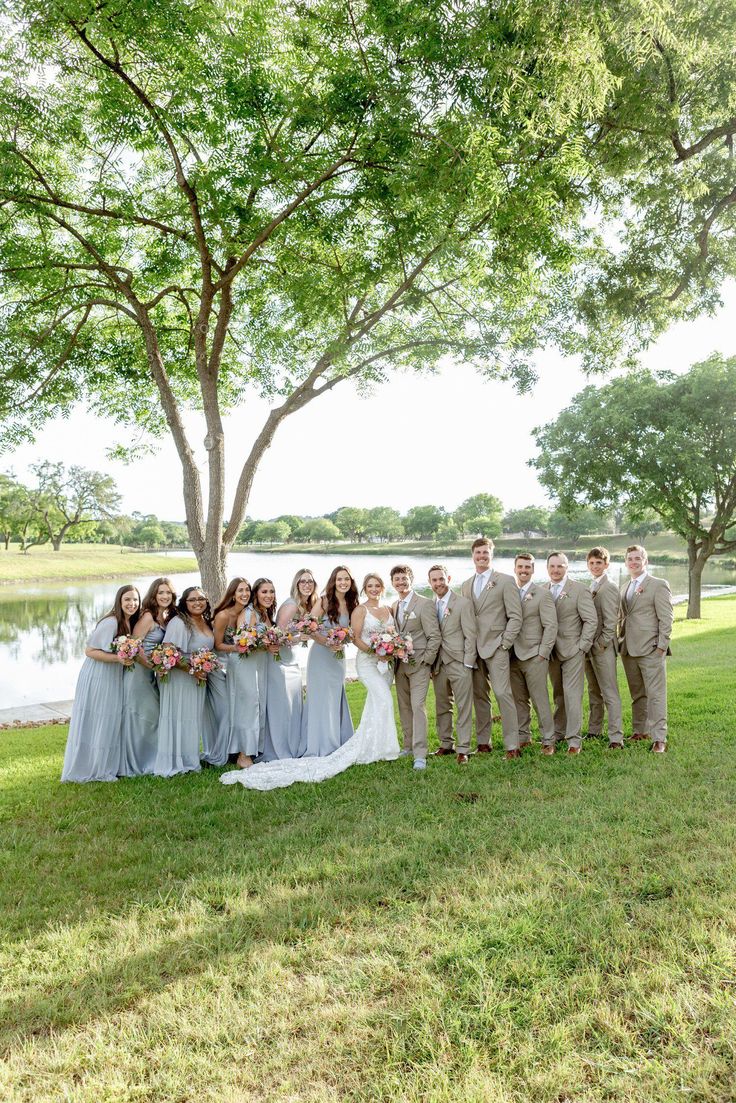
{"x": 462, "y": 759}
{"x": 548, "y": 748}
{"x": 658, "y": 747}
{"x": 526, "y": 743}
{"x": 637, "y": 737}
{"x": 512, "y": 754}
{"x": 484, "y": 748}
{"x": 615, "y": 746}
{"x": 574, "y": 750}
{"x": 444, "y": 750}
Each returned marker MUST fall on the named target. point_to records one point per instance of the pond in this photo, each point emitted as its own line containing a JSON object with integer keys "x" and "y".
{"x": 43, "y": 627}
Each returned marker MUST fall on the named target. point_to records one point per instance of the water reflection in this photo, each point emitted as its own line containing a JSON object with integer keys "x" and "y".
{"x": 44, "y": 627}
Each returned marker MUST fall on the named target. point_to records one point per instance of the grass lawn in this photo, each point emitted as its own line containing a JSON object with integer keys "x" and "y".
{"x": 80, "y": 561}
{"x": 549, "y": 930}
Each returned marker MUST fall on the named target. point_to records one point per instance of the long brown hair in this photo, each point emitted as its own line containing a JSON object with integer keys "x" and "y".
{"x": 351, "y": 597}
{"x": 125, "y": 626}
{"x": 183, "y": 612}
{"x": 229, "y": 596}
{"x": 264, "y": 614}
{"x": 150, "y": 603}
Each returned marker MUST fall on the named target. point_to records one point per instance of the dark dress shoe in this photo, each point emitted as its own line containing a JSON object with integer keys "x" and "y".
{"x": 526, "y": 743}
{"x": 512, "y": 754}
{"x": 548, "y": 748}
{"x": 615, "y": 746}
{"x": 658, "y": 747}
{"x": 637, "y": 737}
{"x": 573, "y": 750}
{"x": 444, "y": 750}
{"x": 484, "y": 748}
{"x": 462, "y": 759}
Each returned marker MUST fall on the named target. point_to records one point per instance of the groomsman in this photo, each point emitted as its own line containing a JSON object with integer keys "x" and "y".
{"x": 530, "y": 654}
{"x": 600, "y": 662}
{"x": 453, "y": 670}
{"x": 417, "y": 616}
{"x": 495, "y": 600}
{"x": 644, "y": 632}
{"x": 577, "y": 624}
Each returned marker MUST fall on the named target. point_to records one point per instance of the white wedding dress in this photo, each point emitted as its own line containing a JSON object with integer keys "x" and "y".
{"x": 374, "y": 740}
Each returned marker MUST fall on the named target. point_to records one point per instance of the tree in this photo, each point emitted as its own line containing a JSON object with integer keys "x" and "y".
{"x": 292, "y": 520}
{"x": 71, "y": 498}
{"x": 487, "y": 506}
{"x": 423, "y": 521}
{"x": 384, "y": 523}
{"x": 655, "y": 442}
{"x": 483, "y": 526}
{"x": 148, "y": 534}
{"x": 529, "y": 520}
{"x": 13, "y": 507}
{"x": 351, "y": 522}
{"x": 272, "y": 532}
{"x": 317, "y": 530}
{"x": 208, "y": 203}
{"x": 247, "y": 534}
{"x": 641, "y": 523}
{"x": 572, "y": 522}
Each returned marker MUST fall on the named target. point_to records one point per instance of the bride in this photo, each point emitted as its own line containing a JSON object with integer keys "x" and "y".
{"x": 374, "y": 739}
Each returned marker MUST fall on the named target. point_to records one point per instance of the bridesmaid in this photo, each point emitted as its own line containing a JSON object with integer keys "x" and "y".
{"x": 226, "y": 617}
{"x": 327, "y": 716}
{"x": 140, "y": 690}
{"x": 283, "y": 738}
{"x": 94, "y": 742}
{"x": 182, "y": 700}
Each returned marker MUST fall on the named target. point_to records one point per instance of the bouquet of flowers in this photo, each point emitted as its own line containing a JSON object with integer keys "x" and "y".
{"x": 389, "y": 643}
{"x": 245, "y": 639}
{"x": 163, "y": 659}
{"x": 270, "y": 636}
{"x": 126, "y": 648}
{"x": 202, "y": 663}
{"x": 301, "y": 626}
{"x": 336, "y": 635}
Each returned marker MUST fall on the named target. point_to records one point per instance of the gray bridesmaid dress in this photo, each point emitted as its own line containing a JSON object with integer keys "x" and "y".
{"x": 247, "y": 687}
{"x": 140, "y": 714}
{"x": 181, "y": 722}
{"x": 326, "y": 716}
{"x": 283, "y": 735}
{"x": 216, "y": 735}
{"x": 93, "y": 744}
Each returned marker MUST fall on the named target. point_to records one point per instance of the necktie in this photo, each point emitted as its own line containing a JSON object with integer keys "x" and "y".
{"x": 440, "y": 609}
{"x": 631, "y": 591}
{"x": 556, "y": 590}
{"x": 478, "y": 585}
{"x": 402, "y": 612}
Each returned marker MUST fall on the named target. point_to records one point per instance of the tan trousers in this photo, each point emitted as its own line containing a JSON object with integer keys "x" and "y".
{"x": 600, "y": 672}
{"x": 454, "y": 682}
{"x": 493, "y": 674}
{"x": 647, "y": 678}
{"x": 568, "y": 681}
{"x": 412, "y": 685}
{"x": 529, "y": 681}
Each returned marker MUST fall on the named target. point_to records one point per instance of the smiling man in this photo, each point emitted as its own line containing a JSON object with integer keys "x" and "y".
{"x": 577, "y": 623}
{"x": 415, "y": 615}
{"x": 600, "y": 662}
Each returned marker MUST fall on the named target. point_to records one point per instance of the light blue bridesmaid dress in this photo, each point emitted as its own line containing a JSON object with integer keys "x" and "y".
{"x": 247, "y": 686}
{"x": 283, "y": 736}
{"x": 94, "y": 740}
{"x": 216, "y": 735}
{"x": 326, "y": 716}
{"x": 140, "y": 714}
{"x": 181, "y": 722}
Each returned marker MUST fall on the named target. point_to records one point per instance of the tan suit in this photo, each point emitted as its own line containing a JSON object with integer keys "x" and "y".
{"x": 498, "y": 623}
{"x": 453, "y": 672}
{"x": 600, "y": 664}
{"x": 412, "y": 680}
{"x": 530, "y": 662}
{"x": 577, "y": 624}
{"x": 645, "y": 624}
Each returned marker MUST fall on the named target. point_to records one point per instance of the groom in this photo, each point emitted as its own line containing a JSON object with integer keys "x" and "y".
{"x": 416, "y": 616}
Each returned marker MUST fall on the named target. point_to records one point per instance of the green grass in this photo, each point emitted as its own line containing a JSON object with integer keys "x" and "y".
{"x": 75, "y": 562}
{"x": 550, "y": 930}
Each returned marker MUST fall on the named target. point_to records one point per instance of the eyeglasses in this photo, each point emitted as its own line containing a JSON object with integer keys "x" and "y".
{"x": 306, "y": 582}
{"x": 196, "y": 600}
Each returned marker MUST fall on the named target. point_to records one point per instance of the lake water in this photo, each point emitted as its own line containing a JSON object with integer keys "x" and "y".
{"x": 44, "y": 627}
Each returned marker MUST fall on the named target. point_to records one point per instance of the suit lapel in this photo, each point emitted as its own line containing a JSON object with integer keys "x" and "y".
{"x": 486, "y": 590}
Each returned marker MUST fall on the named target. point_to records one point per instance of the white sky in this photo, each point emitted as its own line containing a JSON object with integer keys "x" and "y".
{"x": 479, "y": 437}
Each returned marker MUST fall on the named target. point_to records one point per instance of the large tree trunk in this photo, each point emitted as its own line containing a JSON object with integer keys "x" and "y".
{"x": 696, "y": 563}
{"x": 212, "y": 561}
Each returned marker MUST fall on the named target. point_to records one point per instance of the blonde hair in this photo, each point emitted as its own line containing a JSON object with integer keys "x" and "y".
{"x": 378, "y": 579}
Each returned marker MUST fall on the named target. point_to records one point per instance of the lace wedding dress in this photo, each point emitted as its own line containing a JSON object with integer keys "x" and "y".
{"x": 374, "y": 740}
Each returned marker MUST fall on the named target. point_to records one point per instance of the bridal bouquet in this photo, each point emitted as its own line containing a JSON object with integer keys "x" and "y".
{"x": 270, "y": 636}
{"x": 126, "y": 648}
{"x": 244, "y": 639}
{"x": 163, "y": 659}
{"x": 202, "y": 663}
{"x": 337, "y": 635}
{"x": 302, "y": 626}
{"x": 391, "y": 644}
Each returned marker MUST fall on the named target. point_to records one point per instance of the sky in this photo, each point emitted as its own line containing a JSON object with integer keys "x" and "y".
{"x": 479, "y": 437}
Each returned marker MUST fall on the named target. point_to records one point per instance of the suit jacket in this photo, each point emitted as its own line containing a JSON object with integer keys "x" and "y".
{"x": 458, "y": 631}
{"x": 497, "y": 612}
{"x": 538, "y": 624}
{"x": 577, "y": 620}
{"x": 422, "y": 625}
{"x": 646, "y": 623}
{"x": 607, "y": 601}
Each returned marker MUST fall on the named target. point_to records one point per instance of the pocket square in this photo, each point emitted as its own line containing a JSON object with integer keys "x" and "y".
{"x": 412, "y": 616}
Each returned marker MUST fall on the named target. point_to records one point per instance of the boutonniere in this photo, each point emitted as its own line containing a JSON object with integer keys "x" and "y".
{"x": 446, "y": 613}
{"x": 528, "y": 597}
{"x": 491, "y": 584}
{"x": 563, "y": 593}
